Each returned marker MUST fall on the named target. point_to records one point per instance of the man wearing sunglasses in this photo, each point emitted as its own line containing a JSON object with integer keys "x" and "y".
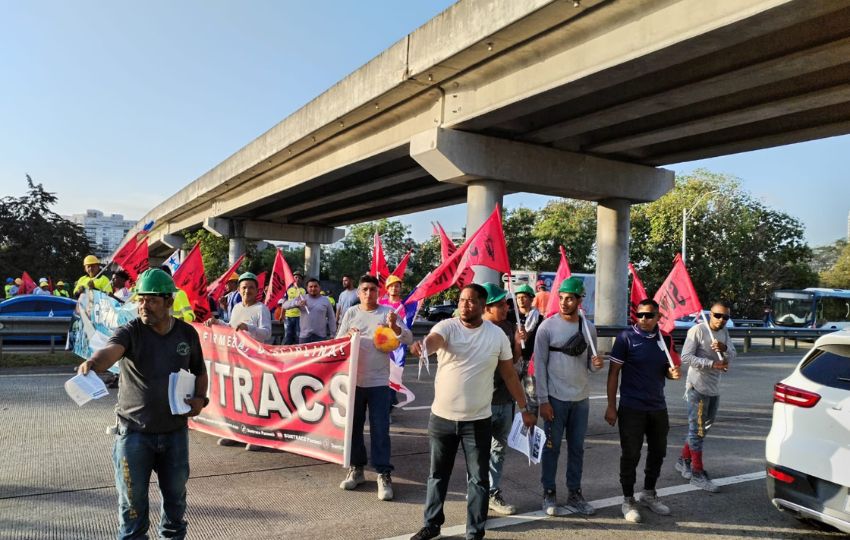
{"x": 707, "y": 351}
{"x": 639, "y": 354}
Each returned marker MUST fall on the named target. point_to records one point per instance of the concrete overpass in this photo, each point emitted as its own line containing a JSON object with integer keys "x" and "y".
{"x": 580, "y": 99}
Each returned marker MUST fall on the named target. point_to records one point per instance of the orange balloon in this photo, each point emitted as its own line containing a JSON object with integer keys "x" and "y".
{"x": 385, "y": 339}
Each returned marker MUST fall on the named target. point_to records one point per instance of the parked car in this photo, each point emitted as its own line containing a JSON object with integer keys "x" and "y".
{"x": 32, "y": 305}
{"x": 440, "y": 312}
{"x": 808, "y": 447}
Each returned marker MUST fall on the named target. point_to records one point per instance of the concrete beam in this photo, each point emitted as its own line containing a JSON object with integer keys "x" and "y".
{"x": 173, "y": 241}
{"x": 266, "y": 230}
{"x": 459, "y": 157}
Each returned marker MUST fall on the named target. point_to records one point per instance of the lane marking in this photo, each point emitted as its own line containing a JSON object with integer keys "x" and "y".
{"x": 423, "y": 407}
{"x": 599, "y": 504}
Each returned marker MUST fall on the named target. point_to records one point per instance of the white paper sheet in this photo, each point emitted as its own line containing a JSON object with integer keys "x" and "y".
{"x": 84, "y": 388}
{"x": 527, "y": 441}
{"x": 181, "y": 385}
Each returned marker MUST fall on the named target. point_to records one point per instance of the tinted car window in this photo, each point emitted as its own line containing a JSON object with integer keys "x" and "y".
{"x": 829, "y": 366}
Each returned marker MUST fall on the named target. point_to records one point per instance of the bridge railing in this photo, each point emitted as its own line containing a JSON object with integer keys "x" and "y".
{"x": 34, "y": 326}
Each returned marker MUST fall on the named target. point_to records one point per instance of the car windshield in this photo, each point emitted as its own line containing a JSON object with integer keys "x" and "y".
{"x": 792, "y": 310}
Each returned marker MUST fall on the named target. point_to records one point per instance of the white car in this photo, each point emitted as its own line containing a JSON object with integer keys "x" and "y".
{"x": 808, "y": 447}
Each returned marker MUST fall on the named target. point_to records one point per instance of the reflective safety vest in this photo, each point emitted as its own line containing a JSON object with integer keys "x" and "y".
{"x": 101, "y": 284}
{"x": 9, "y": 290}
{"x": 182, "y": 307}
{"x": 291, "y": 294}
{"x": 61, "y": 292}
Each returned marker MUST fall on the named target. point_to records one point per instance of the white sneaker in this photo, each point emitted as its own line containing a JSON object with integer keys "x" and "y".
{"x": 630, "y": 510}
{"x": 498, "y": 504}
{"x": 353, "y": 479}
{"x": 649, "y": 498}
{"x": 385, "y": 487}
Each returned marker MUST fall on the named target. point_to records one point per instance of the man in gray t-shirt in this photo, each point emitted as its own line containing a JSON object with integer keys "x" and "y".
{"x": 149, "y": 437}
{"x": 347, "y": 298}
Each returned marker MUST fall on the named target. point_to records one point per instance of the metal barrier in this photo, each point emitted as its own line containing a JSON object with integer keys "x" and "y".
{"x": 34, "y": 326}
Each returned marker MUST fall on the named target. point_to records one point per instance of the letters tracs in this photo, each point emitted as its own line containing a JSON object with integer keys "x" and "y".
{"x": 293, "y": 398}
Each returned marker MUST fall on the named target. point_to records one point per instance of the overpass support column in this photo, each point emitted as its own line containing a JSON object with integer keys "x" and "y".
{"x": 236, "y": 244}
{"x": 612, "y": 260}
{"x": 481, "y": 197}
{"x": 312, "y": 259}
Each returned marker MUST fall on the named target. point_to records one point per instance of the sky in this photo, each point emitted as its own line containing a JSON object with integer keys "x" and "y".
{"x": 118, "y": 105}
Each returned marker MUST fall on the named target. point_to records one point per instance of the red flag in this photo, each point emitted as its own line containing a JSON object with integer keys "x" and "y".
{"x": 217, "y": 287}
{"x": 447, "y": 247}
{"x": 637, "y": 293}
{"x": 281, "y": 279}
{"x": 486, "y": 247}
{"x": 379, "y": 267}
{"x": 28, "y": 285}
{"x": 261, "y": 284}
{"x": 190, "y": 277}
{"x": 124, "y": 251}
{"x": 677, "y": 296}
{"x": 136, "y": 262}
{"x": 563, "y": 273}
{"x": 402, "y": 266}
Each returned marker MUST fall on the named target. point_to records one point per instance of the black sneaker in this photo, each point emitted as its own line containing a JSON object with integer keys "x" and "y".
{"x": 427, "y": 533}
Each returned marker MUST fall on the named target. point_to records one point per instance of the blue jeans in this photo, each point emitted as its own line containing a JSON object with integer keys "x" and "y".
{"x": 570, "y": 421}
{"x": 702, "y": 410}
{"x": 445, "y": 436}
{"x": 135, "y": 455}
{"x": 377, "y": 400}
{"x": 293, "y": 328}
{"x": 503, "y": 417}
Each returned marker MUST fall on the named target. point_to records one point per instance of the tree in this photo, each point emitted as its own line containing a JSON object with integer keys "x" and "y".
{"x": 568, "y": 223}
{"x": 825, "y": 257}
{"x": 523, "y": 246}
{"x": 838, "y": 277}
{"x": 354, "y": 253}
{"x": 214, "y": 252}
{"x": 37, "y": 240}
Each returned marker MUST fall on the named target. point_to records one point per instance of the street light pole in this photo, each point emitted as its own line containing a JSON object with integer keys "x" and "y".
{"x": 685, "y": 224}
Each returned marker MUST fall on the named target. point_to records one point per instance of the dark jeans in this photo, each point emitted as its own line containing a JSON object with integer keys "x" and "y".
{"x": 377, "y": 400}
{"x": 636, "y": 425}
{"x": 702, "y": 410}
{"x": 293, "y": 328}
{"x": 571, "y": 422}
{"x": 135, "y": 455}
{"x": 311, "y": 338}
{"x": 445, "y": 436}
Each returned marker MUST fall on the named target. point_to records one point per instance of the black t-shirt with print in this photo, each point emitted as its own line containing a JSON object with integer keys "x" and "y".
{"x": 149, "y": 358}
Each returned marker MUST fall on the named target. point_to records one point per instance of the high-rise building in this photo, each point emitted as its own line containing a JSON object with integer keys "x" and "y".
{"x": 104, "y": 232}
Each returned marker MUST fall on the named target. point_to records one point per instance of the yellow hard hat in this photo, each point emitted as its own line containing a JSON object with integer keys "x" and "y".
{"x": 60, "y": 283}
{"x": 90, "y": 259}
{"x": 392, "y": 279}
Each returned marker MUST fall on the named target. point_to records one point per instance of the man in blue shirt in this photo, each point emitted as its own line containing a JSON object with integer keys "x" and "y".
{"x": 639, "y": 353}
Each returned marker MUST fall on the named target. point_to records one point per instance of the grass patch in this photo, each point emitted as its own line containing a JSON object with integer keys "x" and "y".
{"x": 25, "y": 359}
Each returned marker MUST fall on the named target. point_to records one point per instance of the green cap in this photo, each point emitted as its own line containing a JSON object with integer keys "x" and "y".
{"x": 572, "y": 285}
{"x": 248, "y": 275}
{"x": 525, "y": 288}
{"x": 155, "y": 281}
{"x": 494, "y": 293}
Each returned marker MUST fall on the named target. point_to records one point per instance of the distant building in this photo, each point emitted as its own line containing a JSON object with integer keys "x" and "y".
{"x": 104, "y": 232}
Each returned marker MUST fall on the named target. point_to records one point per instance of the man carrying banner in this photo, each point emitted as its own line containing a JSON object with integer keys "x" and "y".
{"x": 148, "y": 437}
{"x": 562, "y": 362}
{"x": 292, "y": 316}
{"x": 92, "y": 279}
{"x": 372, "y": 392}
{"x": 707, "y": 351}
{"x": 347, "y": 298}
{"x": 502, "y": 405}
{"x": 230, "y": 298}
{"x": 640, "y": 354}
{"x": 119, "y": 286}
{"x": 469, "y": 352}
{"x": 318, "y": 320}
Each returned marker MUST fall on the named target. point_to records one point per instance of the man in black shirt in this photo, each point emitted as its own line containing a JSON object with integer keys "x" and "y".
{"x": 150, "y": 438}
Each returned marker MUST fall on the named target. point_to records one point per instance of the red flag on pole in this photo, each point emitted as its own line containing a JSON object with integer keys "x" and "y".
{"x": 121, "y": 255}
{"x": 402, "y": 265}
{"x": 379, "y": 267}
{"x": 486, "y": 247}
{"x": 563, "y": 273}
{"x": 637, "y": 293}
{"x": 280, "y": 281}
{"x": 217, "y": 287}
{"x": 28, "y": 285}
{"x": 261, "y": 286}
{"x": 136, "y": 262}
{"x": 447, "y": 247}
{"x": 190, "y": 277}
{"x": 677, "y": 296}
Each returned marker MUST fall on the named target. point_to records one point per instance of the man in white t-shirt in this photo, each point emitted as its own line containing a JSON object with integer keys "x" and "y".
{"x": 470, "y": 351}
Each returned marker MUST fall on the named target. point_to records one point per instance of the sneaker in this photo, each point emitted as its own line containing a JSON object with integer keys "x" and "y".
{"x": 385, "y": 487}
{"x": 649, "y": 498}
{"x": 228, "y": 442}
{"x": 498, "y": 504}
{"x": 701, "y": 480}
{"x": 576, "y": 503}
{"x": 684, "y": 466}
{"x": 353, "y": 479}
{"x": 427, "y": 533}
{"x": 630, "y": 510}
{"x": 550, "y": 504}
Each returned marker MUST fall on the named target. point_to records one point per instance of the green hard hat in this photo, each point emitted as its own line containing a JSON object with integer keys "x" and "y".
{"x": 572, "y": 285}
{"x": 524, "y": 289}
{"x": 494, "y": 293}
{"x": 155, "y": 281}
{"x": 248, "y": 275}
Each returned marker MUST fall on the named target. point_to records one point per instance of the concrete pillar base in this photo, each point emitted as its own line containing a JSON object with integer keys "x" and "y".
{"x": 612, "y": 261}
{"x": 312, "y": 259}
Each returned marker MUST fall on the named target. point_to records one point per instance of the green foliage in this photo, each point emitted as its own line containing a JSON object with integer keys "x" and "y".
{"x": 567, "y": 223}
{"x": 825, "y": 257}
{"x": 214, "y": 250}
{"x": 354, "y": 254}
{"x": 37, "y": 240}
{"x": 838, "y": 276}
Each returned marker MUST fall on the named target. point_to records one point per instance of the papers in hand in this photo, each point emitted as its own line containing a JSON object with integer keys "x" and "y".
{"x": 84, "y": 388}
{"x": 181, "y": 385}
{"x": 529, "y": 441}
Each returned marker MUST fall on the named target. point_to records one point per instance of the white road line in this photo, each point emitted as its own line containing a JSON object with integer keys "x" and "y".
{"x": 31, "y": 375}
{"x": 423, "y": 407}
{"x": 498, "y": 523}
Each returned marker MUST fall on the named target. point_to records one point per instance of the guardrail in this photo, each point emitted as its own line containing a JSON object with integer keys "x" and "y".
{"x": 34, "y": 326}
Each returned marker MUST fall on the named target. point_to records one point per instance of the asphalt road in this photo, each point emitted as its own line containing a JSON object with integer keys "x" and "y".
{"x": 56, "y": 474}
